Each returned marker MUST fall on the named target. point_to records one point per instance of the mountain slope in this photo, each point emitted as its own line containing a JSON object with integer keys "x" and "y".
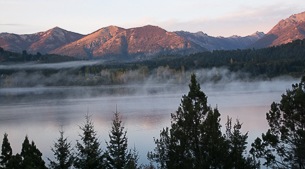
{"x": 221, "y": 43}
{"x": 17, "y": 43}
{"x": 90, "y": 43}
{"x": 116, "y": 41}
{"x": 42, "y": 42}
{"x": 285, "y": 31}
{"x": 53, "y": 39}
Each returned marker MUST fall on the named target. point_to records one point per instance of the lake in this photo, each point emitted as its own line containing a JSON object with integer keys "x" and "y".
{"x": 40, "y": 112}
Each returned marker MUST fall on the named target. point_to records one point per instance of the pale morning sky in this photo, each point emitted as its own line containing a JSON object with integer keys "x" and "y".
{"x": 214, "y": 17}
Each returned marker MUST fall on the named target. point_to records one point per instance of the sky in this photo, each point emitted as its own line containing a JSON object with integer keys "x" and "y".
{"x": 214, "y": 17}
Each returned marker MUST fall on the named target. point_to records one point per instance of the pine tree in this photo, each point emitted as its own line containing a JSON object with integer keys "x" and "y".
{"x": 194, "y": 139}
{"x": 62, "y": 153}
{"x": 89, "y": 154}
{"x": 186, "y": 128}
{"x": 133, "y": 157}
{"x": 237, "y": 147}
{"x": 214, "y": 148}
{"x": 31, "y": 156}
{"x": 117, "y": 153}
{"x": 283, "y": 145}
{"x": 161, "y": 151}
{"x": 15, "y": 162}
{"x": 6, "y": 152}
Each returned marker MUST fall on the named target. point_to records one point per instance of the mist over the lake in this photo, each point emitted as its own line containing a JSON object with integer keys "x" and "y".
{"x": 60, "y": 65}
{"x": 78, "y": 73}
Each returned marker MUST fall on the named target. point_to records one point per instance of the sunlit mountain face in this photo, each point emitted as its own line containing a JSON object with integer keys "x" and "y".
{"x": 115, "y": 41}
{"x": 42, "y": 42}
{"x": 146, "y": 41}
{"x": 287, "y": 30}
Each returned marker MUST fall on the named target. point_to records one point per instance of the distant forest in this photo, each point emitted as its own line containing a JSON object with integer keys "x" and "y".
{"x": 288, "y": 59}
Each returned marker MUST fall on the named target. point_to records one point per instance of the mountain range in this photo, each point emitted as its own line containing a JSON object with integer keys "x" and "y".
{"x": 116, "y": 41}
{"x": 147, "y": 40}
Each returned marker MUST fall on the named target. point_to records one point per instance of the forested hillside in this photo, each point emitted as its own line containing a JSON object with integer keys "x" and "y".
{"x": 7, "y": 56}
{"x": 269, "y": 62}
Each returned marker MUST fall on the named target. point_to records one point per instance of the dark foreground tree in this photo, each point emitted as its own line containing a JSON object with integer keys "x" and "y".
{"x": 195, "y": 139}
{"x": 6, "y": 152}
{"x": 181, "y": 145}
{"x": 117, "y": 154}
{"x": 62, "y": 154}
{"x": 89, "y": 153}
{"x": 161, "y": 151}
{"x": 133, "y": 157}
{"x": 283, "y": 145}
{"x": 237, "y": 147}
{"x": 31, "y": 156}
{"x": 15, "y": 162}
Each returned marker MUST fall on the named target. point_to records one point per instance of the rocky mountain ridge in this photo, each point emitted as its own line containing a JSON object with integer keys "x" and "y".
{"x": 285, "y": 31}
{"x": 221, "y": 43}
{"x": 115, "y": 41}
{"x": 42, "y": 42}
{"x": 147, "y": 40}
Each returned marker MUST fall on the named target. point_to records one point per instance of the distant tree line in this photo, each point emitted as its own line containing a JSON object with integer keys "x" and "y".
{"x": 194, "y": 140}
{"x": 269, "y": 62}
{"x": 8, "y": 56}
{"x": 265, "y": 63}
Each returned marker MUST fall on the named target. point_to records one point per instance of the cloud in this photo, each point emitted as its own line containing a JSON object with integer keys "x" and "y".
{"x": 244, "y": 21}
{"x": 18, "y": 28}
{"x": 216, "y": 18}
{"x": 11, "y": 24}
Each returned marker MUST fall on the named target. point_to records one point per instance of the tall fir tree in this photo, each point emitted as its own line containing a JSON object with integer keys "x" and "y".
{"x": 31, "y": 156}
{"x": 89, "y": 153}
{"x": 118, "y": 156}
{"x": 186, "y": 125}
{"x": 161, "y": 151}
{"x": 133, "y": 157}
{"x": 6, "y": 152}
{"x": 193, "y": 127}
{"x": 283, "y": 145}
{"x": 62, "y": 153}
{"x": 15, "y": 162}
{"x": 194, "y": 139}
{"x": 214, "y": 148}
{"x": 237, "y": 157}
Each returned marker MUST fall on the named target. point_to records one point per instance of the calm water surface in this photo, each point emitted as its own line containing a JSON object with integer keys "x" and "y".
{"x": 40, "y": 112}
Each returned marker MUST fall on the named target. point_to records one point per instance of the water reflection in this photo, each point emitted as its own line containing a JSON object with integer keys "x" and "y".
{"x": 40, "y": 112}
